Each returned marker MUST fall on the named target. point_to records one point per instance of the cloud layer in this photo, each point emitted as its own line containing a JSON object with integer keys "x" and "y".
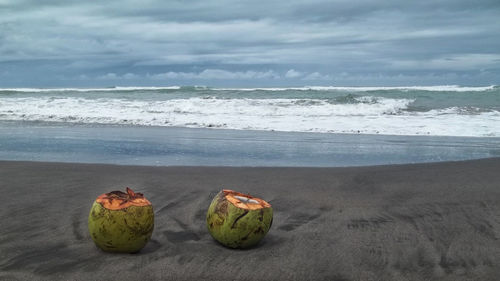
{"x": 61, "y": 42}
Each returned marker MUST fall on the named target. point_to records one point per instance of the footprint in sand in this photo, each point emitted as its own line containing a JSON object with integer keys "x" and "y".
{"x": 297, "y": 220}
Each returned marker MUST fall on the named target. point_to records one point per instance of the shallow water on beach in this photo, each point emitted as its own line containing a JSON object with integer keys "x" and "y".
{"x": 167, "y": 146}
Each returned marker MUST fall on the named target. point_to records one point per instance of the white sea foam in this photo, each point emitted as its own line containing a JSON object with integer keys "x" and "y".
{"x": 110, "y": 89}
{"x": 443, "y": 88}
{"x": 369, "y": 115}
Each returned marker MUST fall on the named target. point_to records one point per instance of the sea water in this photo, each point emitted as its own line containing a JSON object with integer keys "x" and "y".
{"x": 305, "y": 126}
{"x": 436, "y": 111}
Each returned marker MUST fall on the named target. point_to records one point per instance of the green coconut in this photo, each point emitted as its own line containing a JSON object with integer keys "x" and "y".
{"x": 121, "y": 222}
{"x": 238, "y": 220}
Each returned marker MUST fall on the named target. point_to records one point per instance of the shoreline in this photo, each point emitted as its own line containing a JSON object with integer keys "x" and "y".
{"x": 57, "y": 124}
{"x": 432, "y": 221}
{"x": 23, "y": 162}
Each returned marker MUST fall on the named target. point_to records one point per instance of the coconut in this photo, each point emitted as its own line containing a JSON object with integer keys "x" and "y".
{"x": 238, "y": 220}
{"x": 121, "y": 222}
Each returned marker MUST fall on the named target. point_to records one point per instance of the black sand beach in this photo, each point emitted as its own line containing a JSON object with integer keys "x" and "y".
{"x": 437, "y": 221}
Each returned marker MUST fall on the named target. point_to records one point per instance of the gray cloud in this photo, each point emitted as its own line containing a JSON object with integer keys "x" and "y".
{"x": 217, "y": 74}
{"x": 58, "y": 42}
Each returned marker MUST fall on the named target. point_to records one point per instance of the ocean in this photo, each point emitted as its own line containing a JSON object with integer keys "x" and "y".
{"x": 294, "y": 126}
{"x": 436, "y": 111}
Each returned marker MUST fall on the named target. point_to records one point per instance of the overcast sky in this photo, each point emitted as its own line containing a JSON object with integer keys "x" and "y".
{"x": 59, "y": 43}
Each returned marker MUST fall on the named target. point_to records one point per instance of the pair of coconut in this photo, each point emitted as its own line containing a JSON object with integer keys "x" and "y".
{"x": 124, "y": 221}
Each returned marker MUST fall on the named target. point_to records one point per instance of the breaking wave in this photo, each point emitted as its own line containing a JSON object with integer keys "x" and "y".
{"x": 442, "y": 88}
{"x": 349, "y": 114}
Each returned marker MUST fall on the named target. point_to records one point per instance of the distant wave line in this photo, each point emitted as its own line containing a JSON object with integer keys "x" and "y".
{"x": 438, "y": 88}
{"x": 105, "y": 89}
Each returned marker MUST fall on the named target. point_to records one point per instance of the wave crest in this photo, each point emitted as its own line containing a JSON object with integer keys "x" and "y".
{"x": 362, "y": 114}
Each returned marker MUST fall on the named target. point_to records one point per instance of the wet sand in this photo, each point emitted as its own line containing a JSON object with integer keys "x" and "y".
{"x": 436, "y": 221}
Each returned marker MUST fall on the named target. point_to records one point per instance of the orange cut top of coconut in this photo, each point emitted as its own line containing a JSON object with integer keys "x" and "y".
{"x": 117, "y": 200}
{"x": 245, "y": 201}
